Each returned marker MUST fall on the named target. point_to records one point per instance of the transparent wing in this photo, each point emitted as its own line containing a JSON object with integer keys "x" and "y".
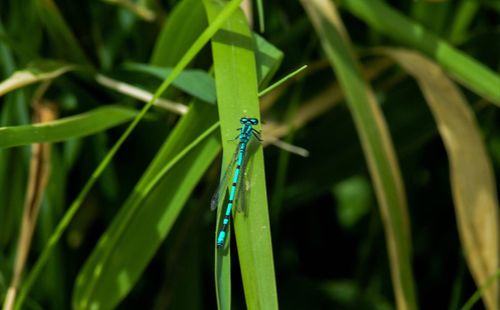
{"x": 243, "y": 187}
{"x": 243, "y": 183}
{"x": 220, "y": 193}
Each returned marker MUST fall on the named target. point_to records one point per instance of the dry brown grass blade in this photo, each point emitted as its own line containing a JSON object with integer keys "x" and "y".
{"x": 37, "y": 183}
{"x": 471, "y": 173}
{"x": 26, "y": 77}
{"x": 140, "y": 94}
{"x": 140, "y": 11}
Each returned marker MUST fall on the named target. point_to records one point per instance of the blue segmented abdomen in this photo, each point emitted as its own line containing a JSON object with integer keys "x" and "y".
{"x": 246, "y": 133}
{"x": 225, "y": 222}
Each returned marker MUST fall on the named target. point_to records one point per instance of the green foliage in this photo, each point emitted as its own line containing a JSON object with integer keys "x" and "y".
{"x": 81, "y": 125}
{"x": 113, "y": 114}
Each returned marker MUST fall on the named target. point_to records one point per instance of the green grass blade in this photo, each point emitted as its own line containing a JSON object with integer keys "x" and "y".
{"x": 462, "y": 67}
{"x": 433, "y": 15}
{"x": 177, "y": 35}
{"x": 236, "y": 84}
{"x": 12, "y": 170}
{"x": 260, "y": 12}
{"x": 463, "y": 17}
{"x": 196, "y": 83}
{"x": 149, "y": 213}
{"x": 377, "y": 146}
{"x": 477, "y": 295}
{"x": 75, "y": 126}
{"x": 268, "y": 59}
{"x": 59, "y": 32}
{"x": 185, "y": 60}
{"x": 13, "y": 166}
{"x": 282, "y": 80}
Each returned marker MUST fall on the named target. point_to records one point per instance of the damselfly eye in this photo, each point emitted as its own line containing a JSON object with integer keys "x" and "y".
{"x": 243, "y": 120}
{"x": 254, "y": 121}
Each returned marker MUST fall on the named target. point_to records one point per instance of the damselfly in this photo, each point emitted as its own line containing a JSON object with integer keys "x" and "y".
{"x": 240, "y": 159}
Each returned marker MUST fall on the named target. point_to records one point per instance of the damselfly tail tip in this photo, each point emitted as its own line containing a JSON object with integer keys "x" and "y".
{"x": 221, "y": 238}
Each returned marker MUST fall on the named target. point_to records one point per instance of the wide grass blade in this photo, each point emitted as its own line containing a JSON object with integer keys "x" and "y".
{"x": 376, "y": 143}
{"x": 471, "y": 173}
{"x": 237, "y": 86}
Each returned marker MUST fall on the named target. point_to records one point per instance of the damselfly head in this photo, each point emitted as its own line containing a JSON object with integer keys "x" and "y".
{"x": 249, "y": 121}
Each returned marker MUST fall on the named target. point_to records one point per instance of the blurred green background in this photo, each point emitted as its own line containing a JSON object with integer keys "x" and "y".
{"x": 411, "y": 106}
